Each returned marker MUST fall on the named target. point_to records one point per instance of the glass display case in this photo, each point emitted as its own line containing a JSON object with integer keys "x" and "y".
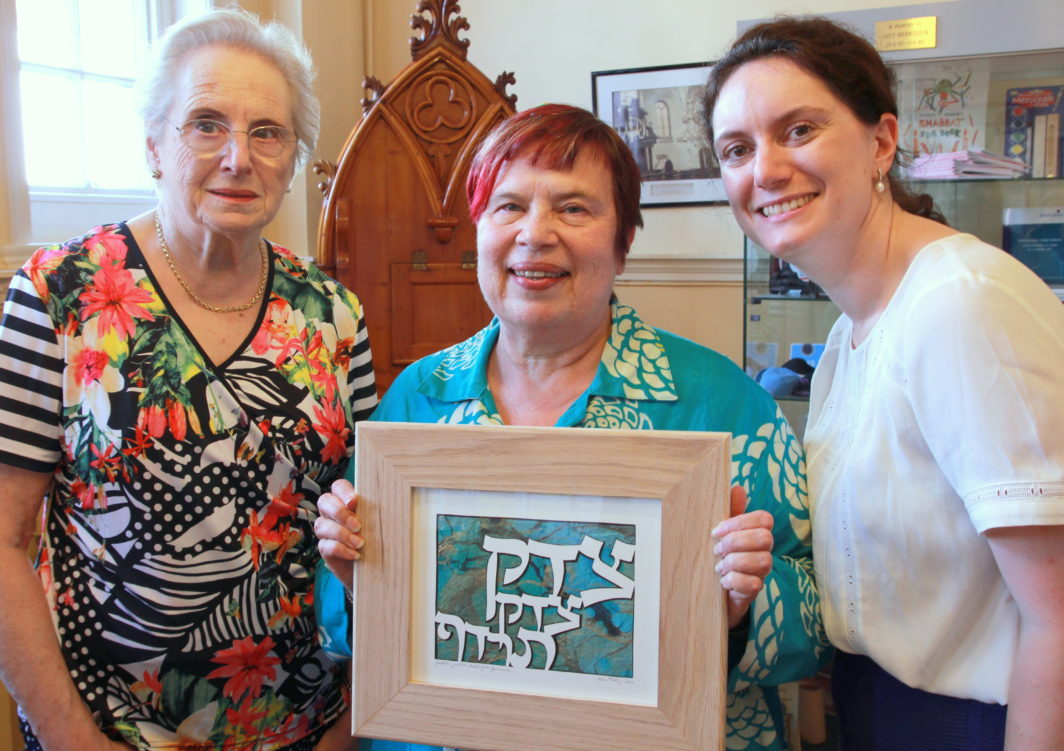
{"x": 1008, "y": 105}
{"x": 787, "y": 320}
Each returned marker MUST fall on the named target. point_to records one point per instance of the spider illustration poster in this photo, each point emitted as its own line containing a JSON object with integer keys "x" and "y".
{"x": 942, "y": 107}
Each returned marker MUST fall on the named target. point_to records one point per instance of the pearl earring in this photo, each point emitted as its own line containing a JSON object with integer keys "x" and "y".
{"x": 156, "y": 174}
{"x": 880, "y": 185}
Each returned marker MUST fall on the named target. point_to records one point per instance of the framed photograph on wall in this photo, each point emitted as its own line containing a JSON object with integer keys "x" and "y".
{"x": 526, "y": 588}
{"x": 658, "y": 112}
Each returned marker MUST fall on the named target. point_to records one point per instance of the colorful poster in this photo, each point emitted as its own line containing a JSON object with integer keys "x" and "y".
{"x": 942, "y": 106}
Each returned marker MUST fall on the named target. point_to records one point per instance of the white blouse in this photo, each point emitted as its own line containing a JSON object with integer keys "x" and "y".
{"x": 947, "y": 421}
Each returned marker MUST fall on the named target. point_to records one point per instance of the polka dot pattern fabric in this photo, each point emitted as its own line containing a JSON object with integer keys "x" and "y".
{"x": 178, "y": 548}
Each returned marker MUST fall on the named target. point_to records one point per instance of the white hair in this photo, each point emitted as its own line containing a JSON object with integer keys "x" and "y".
{"x": 232, "y": 27}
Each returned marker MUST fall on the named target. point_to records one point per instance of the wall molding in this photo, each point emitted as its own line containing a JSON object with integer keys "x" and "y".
{"x": 683, "y": 270}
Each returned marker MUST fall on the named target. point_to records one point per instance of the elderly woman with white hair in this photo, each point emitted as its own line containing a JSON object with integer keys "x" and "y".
{"x": 180, "y": 391}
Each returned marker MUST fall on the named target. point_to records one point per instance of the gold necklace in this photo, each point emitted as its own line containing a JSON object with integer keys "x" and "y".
{"x": 195, "y": 298}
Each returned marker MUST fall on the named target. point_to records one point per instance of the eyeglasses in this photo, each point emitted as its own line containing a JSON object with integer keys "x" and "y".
{"x": 210, "y": 136}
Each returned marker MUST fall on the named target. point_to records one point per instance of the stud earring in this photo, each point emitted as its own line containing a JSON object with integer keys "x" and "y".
{"x": 880, "y": 185}
{"x": 156, "y": 174}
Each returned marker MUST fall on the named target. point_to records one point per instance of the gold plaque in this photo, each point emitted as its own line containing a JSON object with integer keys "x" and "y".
{"x": 907, "y": 34}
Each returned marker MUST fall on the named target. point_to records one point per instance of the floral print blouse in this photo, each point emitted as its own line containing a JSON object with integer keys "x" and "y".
{"x": 177, "y": 547}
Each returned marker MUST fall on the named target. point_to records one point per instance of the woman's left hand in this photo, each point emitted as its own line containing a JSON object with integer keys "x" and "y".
{"x": 744, "y": 545}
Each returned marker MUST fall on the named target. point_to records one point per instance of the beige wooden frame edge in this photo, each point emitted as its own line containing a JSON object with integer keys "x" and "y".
{"x": 688, "y": 471}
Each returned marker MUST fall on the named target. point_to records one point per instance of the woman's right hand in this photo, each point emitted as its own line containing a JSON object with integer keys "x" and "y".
{"x": 338, "y": 530}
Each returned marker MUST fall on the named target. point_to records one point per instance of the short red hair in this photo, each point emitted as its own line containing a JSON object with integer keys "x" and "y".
{"x": 551, "y": 136}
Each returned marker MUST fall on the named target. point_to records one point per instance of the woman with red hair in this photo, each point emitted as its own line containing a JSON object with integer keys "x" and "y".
{"x": 555, "y": 195}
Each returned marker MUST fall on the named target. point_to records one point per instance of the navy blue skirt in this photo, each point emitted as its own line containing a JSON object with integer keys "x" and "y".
{"x": 877, "y": 712}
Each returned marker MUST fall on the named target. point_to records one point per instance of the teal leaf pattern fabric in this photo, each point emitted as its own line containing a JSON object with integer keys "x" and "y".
{"x": 653, "y": 380}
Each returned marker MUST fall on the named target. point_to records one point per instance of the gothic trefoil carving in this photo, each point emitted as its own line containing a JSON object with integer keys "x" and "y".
{"x": 399, "y": 190}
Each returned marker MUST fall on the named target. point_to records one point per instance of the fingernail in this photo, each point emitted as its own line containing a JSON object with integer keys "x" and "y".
{"x": 354, "y": 525}
{"x": 716, "y": 549}
{"x": 719, "y": 567}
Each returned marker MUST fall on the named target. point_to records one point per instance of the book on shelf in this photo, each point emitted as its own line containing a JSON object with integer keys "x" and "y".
{"x": 1035, "y": 236}
{"x": 1032, "y": 128}
{"x": 966, "y": 164}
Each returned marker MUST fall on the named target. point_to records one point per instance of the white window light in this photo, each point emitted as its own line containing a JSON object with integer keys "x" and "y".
{"x": 83, "y": 143}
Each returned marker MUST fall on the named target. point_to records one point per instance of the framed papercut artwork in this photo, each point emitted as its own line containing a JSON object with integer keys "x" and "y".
{"x": 526, "y": 588}
{"x": 658, "y": 113}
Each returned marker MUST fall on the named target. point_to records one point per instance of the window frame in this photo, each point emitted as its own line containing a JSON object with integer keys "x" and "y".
{"x": 39, "y": 215}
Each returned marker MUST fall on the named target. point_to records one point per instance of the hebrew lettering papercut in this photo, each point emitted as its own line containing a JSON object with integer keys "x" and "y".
{"x": 526, "y": 593}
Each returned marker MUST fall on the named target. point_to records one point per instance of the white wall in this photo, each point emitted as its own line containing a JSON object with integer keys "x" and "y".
{"x": 553, "y": 45}
{"x": 335, "y": 33}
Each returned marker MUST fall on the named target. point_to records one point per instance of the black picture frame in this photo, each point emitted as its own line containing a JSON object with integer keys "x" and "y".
{"x": 658, "y": 112}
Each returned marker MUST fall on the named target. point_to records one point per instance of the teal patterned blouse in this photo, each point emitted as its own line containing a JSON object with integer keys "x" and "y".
{"x": 653, "y": 380}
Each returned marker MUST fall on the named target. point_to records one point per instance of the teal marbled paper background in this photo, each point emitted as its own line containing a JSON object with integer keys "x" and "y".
{"x": 602, "y": 645}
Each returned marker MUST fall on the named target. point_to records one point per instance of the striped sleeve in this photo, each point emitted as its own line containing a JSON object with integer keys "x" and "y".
{"x": 361, "y": 382}
{"x": 31, "y": 381}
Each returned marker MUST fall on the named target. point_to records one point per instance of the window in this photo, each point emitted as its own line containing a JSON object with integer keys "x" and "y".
{"x": 83, "y": 143}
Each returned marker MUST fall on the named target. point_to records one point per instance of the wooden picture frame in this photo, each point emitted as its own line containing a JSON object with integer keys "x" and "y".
{"x": 658, "y": 113}
{"x": 682, "y": 479}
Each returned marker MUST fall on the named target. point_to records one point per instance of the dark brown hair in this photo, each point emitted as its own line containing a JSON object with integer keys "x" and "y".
{"x": 842, "y": 60}
{"x": 552, "y": 136}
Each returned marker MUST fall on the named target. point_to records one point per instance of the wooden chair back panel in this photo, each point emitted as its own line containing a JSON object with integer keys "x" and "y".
{"x": 395, "y": 225}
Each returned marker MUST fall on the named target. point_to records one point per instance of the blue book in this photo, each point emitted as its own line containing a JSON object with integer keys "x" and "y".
{"x": 1036, "y": 237}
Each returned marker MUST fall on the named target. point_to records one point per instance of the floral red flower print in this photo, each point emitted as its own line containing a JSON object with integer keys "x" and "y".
{"x": 106, "y": 247}
{"x": 152, "y": 420}
{"x": 290, "y": 609}
{"x": 151, "y": 680}
{"x": 141, "y": 402}
{"x": 246, "y": 665}
{"x": 175, "y": 418}
{"x": 259, "y": 537}
{"x": 88, "y": 494}
{"x": 284, "y": 504}
{"x": 88, "y": 365}
{"x": 138, "y": 444}
{"x": 246, "y": 717}
{"x": 117, "y": 298}
{"x": 43, "y": 261}
{"x": 149, "y": 689}
{"x": 105, "y": 461}
{"x": 342, "y": 353}
{"x": 332, "y": 425}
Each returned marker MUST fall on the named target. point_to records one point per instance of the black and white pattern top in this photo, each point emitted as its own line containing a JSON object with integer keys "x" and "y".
{"x": 178, "y": 550}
